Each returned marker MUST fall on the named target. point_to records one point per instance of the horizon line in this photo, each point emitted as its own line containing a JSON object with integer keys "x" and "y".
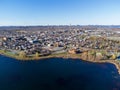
{"x": 62, "y": 25}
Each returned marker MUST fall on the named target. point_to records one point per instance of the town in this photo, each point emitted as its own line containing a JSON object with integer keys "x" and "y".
{"x": 87, "y": 42}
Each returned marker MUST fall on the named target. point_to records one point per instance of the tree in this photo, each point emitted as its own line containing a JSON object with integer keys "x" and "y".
{"x": 84, "y": 55}
{"x": 5, "y": 50}
{"x": 36, "y": 55}
{"x": 113, "y": 57}
{"x": 92, "y": 55}
{"x": 99, "y": 56}
{"x": 22, "y": 54}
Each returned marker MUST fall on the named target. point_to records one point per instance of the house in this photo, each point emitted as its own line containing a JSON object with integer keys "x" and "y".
{"x": 4, "y": 38}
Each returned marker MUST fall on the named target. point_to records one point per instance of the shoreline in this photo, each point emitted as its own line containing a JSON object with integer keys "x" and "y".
{"x": 64, "y": 56}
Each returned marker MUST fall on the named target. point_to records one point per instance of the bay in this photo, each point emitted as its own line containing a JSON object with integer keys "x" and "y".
{"x": 57, "y": 74}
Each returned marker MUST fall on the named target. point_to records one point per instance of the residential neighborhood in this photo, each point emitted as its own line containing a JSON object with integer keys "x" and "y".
{"x": 62, "y": 39}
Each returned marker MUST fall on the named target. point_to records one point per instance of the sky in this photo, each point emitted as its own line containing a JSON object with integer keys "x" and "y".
{"x": 59, "y": 12}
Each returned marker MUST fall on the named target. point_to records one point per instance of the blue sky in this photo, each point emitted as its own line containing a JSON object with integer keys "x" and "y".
{"x": 59, "y": 12}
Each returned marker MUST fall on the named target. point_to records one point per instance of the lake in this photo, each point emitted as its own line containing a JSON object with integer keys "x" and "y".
{"x": 57, "y": 74}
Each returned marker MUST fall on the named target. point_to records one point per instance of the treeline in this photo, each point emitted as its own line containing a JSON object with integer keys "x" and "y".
{"x": 61, "y": 27}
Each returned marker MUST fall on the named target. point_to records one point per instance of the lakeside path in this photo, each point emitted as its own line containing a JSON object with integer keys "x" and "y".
{"x": 61, "y": 55}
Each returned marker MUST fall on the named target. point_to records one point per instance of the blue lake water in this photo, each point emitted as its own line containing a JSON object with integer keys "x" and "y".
{"x": 57, "y": 74}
